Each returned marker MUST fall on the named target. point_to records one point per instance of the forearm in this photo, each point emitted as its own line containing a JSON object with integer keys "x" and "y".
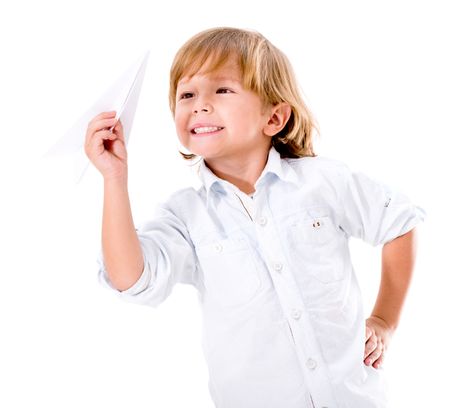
{"x": 121, "y": 249}
{"x": 398, "y": 257}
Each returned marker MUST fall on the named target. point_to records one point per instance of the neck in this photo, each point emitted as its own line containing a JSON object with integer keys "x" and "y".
{"x": 243, "y": 173}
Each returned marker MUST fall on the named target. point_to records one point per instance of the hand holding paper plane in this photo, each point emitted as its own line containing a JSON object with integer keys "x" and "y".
{"x": 122, "y": 97}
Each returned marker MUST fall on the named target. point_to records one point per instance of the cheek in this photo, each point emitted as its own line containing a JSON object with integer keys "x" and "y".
{"x": 181, "y": 127}
{"x": 243, "y": 118}
{"x": 179, "y": 119}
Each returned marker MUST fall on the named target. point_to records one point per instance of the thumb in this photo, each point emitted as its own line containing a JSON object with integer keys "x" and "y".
{"x": 118, "y": 149}
{"x": 118, "y": 130}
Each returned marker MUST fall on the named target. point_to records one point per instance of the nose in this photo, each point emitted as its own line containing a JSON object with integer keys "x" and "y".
{"x": 202, "y": 107}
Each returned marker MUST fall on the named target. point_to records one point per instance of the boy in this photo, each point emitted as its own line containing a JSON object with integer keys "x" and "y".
{"x": 265, "y": 239}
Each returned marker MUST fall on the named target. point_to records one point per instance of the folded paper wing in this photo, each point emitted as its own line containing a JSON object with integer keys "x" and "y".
{"x": 122, "y": 97}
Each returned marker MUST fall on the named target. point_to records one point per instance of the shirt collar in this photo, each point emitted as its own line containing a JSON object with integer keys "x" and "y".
{"x": 275, "y": 165}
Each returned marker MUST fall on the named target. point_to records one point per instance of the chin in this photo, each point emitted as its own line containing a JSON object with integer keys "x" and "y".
{"x": 205, "y": 152}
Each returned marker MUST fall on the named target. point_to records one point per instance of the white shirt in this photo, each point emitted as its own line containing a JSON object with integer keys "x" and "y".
{"x": 282, "y": 311}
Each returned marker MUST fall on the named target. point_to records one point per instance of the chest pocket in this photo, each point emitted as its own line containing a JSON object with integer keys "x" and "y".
{"x": 317, "y": 245}
{"x": 313, "y": 231}
{"x": 230, "y": 274}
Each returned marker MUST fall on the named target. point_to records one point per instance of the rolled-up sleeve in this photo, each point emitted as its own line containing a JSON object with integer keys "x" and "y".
{"x": 372, "y": 210}
{"x": 169, "y": 258}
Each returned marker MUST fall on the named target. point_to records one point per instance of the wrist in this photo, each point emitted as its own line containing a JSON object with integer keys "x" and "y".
{"x": 115, "y": 183}
{"x": 118, "y": 179}
{"x": 388, "y": 325}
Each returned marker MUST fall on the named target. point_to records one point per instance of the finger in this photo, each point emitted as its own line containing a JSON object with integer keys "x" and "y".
{"x": 118, "y": 129}
{"x": 371, "y": 345}
{"x": 95, "y": 127}
{"x": 119, "y": 125}
{"x": 103, "y": 115}
{"x": 98, "y": 138}
{"x": 103, "y": 135}
{"x": 372, "y": 357}
{"x": 368, "y": 332}
{"x": 101, "y": 124}
{"x": 379, "y": 362}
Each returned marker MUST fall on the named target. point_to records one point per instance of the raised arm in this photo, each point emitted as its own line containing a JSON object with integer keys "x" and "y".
{"x": 105, "y": 147}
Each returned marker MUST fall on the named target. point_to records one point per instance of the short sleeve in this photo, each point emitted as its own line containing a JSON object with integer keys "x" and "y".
{"x": 169, "y": 258}
{"x": 372, "y": 210}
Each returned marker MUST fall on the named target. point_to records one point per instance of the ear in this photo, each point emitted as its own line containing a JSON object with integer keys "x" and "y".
{"x": 279, "y": 115}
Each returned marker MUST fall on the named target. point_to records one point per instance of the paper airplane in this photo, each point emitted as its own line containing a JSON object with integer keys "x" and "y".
{"x": 121, "y": 97}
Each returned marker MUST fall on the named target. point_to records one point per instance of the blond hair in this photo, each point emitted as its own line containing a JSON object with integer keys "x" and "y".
{"x": 265, "y": 70}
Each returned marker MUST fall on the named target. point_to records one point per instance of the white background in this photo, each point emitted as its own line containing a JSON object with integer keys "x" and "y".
{"x": 375, "y": 75}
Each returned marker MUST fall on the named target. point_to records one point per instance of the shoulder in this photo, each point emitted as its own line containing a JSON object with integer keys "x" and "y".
{"x": 183, "y": 194}
{"x": 316, "y": 163}
{"x": 174, "y": 208}
{"x": 179, "y": 198}
{"x": 183, "y": 203}
{"x": 319, "y": 166}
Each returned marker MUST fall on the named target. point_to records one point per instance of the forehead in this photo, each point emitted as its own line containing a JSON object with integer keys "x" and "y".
{"x": 228, "y": 71}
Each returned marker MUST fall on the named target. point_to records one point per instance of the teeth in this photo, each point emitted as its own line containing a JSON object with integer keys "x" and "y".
{"x": 206, "y": 129}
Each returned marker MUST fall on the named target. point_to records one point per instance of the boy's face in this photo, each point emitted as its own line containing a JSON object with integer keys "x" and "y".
{"x": 216, "y": 118}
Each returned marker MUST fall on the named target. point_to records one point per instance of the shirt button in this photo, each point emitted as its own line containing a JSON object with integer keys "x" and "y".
{"x": 296, "y": 314}
{"x": 278, "y": 266}
{"x": 218, "y": 247}
{"x": 311, "y": 364}
{"x": 262, "y": 221}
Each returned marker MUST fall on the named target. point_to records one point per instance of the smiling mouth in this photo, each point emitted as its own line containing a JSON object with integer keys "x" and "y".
{"x": 206, "y": 130}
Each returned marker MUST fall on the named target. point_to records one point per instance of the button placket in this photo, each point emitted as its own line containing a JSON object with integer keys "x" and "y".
{"x": 245, "y": 208}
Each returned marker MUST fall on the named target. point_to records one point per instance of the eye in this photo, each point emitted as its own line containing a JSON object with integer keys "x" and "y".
{"x": 186, "y": 95}
{"x": 224, "y": 90}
